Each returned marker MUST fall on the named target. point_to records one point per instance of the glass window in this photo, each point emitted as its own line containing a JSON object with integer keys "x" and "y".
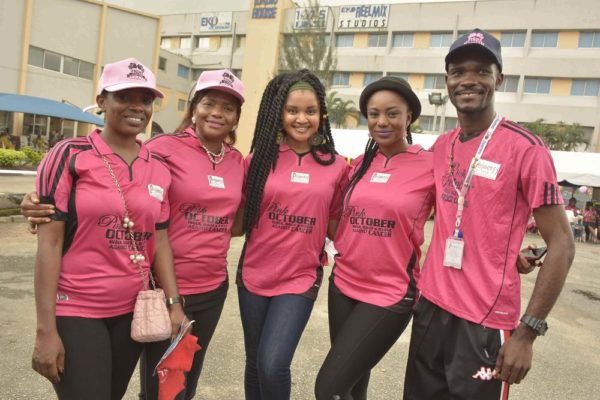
{"x": 399, "y": 75}
{"x": 377, "y": 39}
{"x": 371, "y": 77}
{"x": 341, "y": 79}
{"x": 70, "y": 66}
{"x": 86, "y": 70}
{"x": 162, "y": 63}
{"x": 203, "y": 42}
{"x": 183, "y": 71}
{"x": 440, "y": 39}
{"x": 225, "y": 42}
{"x": 512, "y": 39}
{"x": 36, "y": 56}
{"x": 52, "y": 61}
{"x": 510, "y": 84}
{"x": 165, "y": 43}
{"x": 403, "y": 39}
{"x": 186, "y": 43}
{"x": 435, "y": 81}
{"x": 425, "y": 122}
{"x": 537, "y": 85}
{"x": 589, "y": 39}
{"x": 181, "y": 103}
{"x": 344, "y": 40}
{"x": 544, "y": 39}
{"x": 585, "y": 87}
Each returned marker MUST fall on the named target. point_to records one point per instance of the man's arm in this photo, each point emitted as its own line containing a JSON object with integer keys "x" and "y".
{"x": 514, "y": 359}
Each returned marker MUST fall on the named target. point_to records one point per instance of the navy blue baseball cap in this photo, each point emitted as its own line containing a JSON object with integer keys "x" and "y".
{"x": 476, "y": 40}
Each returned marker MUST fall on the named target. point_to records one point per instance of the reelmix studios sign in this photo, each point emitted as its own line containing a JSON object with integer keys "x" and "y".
{"x": 216, "y": 21}
{"x": 366, "y": 16}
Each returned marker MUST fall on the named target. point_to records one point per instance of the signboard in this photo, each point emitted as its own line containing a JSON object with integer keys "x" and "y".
{"x": 216, "y": 21}
{"x": 264, "y": 9}
{"x": 310, "y": 18}
{"x": 364, "y": 17}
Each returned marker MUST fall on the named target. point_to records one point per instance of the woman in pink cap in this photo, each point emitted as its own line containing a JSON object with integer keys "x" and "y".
{"x": 111, "y": 211}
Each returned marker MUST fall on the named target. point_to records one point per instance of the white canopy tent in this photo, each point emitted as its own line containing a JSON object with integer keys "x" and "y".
{"x": 572, "y": 168}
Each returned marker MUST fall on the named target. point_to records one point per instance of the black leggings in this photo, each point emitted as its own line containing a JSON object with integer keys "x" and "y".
{"x": 205, "y": 309}
{"x": 361, "y": 334}
{"x": 100, "y": 357}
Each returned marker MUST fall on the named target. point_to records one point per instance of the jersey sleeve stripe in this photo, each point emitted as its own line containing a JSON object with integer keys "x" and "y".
{"x": 520, "y": 133}
{"x": 526, "y": 132}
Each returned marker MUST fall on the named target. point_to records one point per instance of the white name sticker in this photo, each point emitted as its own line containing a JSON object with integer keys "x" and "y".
{"x": 378, "y": 177}
{"x": 300, "y": 177}
{"x": 216, "y": 182}
{"x": 453, "y": 253}
{"x": 487, "y": 169}
{"x": 156, "y": 191}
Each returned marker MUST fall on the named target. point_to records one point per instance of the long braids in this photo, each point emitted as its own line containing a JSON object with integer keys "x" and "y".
{"x": 265, "y": 148}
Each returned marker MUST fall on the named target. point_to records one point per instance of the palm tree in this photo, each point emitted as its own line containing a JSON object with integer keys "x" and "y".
{"x": 340, "y": 110}
{"x": 559, "y": 136}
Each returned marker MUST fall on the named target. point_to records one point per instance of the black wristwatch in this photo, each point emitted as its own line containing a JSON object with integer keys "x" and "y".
{"x": 539, "y": 326}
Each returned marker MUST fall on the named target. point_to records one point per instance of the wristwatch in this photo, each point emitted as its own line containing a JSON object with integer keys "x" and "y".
{"x": 175, "y": 300}
{"x": 539, "y": 326}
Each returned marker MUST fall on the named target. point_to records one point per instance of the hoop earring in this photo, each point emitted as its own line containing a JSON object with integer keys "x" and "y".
{"x": 316, "y": 140}
{"x": 279, "y": 138}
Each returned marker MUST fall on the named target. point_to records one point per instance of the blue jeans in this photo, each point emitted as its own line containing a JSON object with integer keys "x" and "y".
{"x": 272, "y": 330}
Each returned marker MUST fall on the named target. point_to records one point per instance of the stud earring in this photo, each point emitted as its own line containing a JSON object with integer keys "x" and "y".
{"x": 279, "y": 138}
{"x": 193, "y": 120}
{"x": 316, "y": 140}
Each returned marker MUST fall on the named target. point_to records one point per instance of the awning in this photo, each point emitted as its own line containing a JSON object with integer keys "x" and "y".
{"x": 39, "y": 106}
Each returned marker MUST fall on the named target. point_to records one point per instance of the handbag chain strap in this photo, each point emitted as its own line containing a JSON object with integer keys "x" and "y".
{"x": 136, "y": 257}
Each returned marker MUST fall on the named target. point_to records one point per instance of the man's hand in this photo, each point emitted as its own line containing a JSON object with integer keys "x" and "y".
{"x": 35, "y": 212}
{"x": 514, "y": 358}
{"x": 525, "y": 266}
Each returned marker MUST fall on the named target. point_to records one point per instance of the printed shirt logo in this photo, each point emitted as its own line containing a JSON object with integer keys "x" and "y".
{"x": 227, "y": 79}
{"x": 475, "y": 37}
{"x": 136, "y": 71}
{"x": 156, "y": 191}
{"x": 449, "y": 192}
{"x": 362, "y": 223}
{"x": 119, "y": 238}
{"x": 484, "y": 374}
{"x": 199, "y": 219}
{"x": 62, "y": 297}
{"x": 281, "y": 219}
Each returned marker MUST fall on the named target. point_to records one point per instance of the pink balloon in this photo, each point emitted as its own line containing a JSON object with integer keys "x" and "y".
{"x": 583, "y": 189}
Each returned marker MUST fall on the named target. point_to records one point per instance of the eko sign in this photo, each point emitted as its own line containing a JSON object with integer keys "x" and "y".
{"x": 367, "y": 16}
{"x": 216, "y": 22}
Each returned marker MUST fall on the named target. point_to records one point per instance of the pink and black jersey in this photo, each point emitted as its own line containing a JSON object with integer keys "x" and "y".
{"x": 97, "y": 278}
{"x": 381, "y": 229}
{"x": 204, "y": 199}
{"x": 516, "y": 176}
{"x": 300, "y": 197}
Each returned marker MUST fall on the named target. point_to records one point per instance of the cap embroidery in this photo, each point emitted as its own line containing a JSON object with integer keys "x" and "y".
{"x": 136, "y": 71}
{"x": 227, "y": 79}
{"x": 475, "y": 37}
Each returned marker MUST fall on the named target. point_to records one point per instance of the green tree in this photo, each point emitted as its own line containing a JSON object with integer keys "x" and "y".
{"x": 559, "y": 136}
{"x": 339, "y": 110}
{"x": 309, "y": 46}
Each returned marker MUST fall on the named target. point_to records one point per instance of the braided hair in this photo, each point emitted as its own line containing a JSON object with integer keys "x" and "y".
{"x": 265, "y": 147}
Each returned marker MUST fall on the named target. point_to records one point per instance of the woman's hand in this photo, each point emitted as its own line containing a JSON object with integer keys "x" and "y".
{"x": 178, "y": 319}
{"x": 48, "y": 357}
{"x": 35, "y": 212}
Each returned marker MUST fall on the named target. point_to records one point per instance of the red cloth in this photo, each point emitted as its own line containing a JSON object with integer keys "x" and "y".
{"x": 170, "y": 371}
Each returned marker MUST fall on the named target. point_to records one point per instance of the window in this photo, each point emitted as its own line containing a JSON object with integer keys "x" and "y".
{"x": 341, "y": 79}
{"x": 346, "y": 40}
{"x": 36, "y": 56}
{"x": 165, "y": 43}
{"x": 399, "y": 75}
{"x": 403, "y": 39}
{"x": 377, "y": 39}
{"x": 371, "y": 77}
{"x": 240, "y": 41}
{"x": 585, "y": 87}
{"x": 71, "y": 66}
{"x": 203, "y": 42}
{"x": 183, "y": 71}
{"x": 589, "y": 39}
{"x": 86, "y": 70}
{"x": 425, "y": 122}
{"x": 59, "y": 63}
{"x": 537, "y": 85}
{"x": 440, "y": 39}
{"x": 186, "y": 43}
{"x": 52, "y": 61}
{"x": 181, "y": 103}
{"x": 162, "y": 63}
{"x": 512, "y": 39}
{"x": 362, "y": 120}
{"x": 544, "y": 39}
{"x": 510, "y": 84}
{"x": 437, "y": 81}
{"x": 225, "y": 42}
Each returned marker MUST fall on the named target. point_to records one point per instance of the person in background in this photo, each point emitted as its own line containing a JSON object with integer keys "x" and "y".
{"x": 372, "y": 288}
{"x": 590, "y": 221}
{"x": 104, "y": 188}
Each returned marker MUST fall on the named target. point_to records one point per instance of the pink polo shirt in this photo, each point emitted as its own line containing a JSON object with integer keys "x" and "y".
{"x": 204, "y": 199}
{"x": 300, "y": 197}
{"x": 486, "y": 290}
{"x": 381, "y": 229}
{"x": 97, "y": 278}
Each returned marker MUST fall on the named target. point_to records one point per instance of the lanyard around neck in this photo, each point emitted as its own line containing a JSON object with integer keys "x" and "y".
{"x": 462, "y": 194}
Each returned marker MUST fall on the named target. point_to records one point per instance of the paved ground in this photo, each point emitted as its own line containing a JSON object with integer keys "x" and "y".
{"x": 566, "y": 361}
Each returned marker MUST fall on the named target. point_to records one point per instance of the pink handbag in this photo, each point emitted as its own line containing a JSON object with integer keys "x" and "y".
{"x": 151, "y": 322}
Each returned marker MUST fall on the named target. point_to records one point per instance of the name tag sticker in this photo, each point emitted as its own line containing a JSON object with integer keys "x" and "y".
{"x": 487, "y": 169}
{"x": 156, "y": 191}
{"x": 379, "y": 177}
{"x": 216, "y": 182}
{"x": 300, "y": 177}
{"x": 453, "y": 253}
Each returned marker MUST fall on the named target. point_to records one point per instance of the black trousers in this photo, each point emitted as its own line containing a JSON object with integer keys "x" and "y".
{"x": 451, "y": 358}
{"x": 100, "y": 357}
{"x": 205, "y": 309}
{"x": 361, "y": 334}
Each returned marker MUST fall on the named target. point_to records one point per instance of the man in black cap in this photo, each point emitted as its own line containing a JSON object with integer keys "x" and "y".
{"x": 490, "y": 173}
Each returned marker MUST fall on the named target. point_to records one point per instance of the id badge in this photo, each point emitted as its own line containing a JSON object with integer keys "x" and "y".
{"x": 216, "y": 182}
{"x": 453, "y": 253}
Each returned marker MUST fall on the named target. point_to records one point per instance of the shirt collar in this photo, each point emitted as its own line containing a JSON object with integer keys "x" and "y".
{"x": 103, "y": 149}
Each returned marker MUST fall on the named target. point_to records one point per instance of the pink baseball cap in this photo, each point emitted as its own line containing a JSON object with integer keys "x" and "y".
{"x": 127, "y": 74}
{"x": 223, "y": 80}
